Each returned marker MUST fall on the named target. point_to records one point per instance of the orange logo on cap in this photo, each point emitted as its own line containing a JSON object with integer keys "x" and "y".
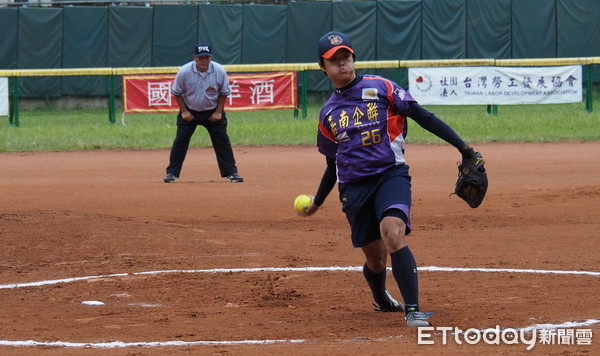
{"x": 335, "y": 40}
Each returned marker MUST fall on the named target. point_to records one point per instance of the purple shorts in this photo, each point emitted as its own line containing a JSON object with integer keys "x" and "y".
{"x": 367, "y": 202}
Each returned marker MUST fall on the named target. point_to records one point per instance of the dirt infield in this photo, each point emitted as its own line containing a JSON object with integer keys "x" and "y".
{"x": 102, "y": 226}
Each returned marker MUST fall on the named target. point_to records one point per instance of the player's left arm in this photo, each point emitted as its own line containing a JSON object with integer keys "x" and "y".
{"x": 224, "y": 92}
{"x": 472, "y": 182}
{"x": 430, "y": 122}
{"x": 218, "y": 113}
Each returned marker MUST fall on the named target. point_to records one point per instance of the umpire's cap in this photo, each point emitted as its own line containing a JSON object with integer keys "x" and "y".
{"x": 203, "y": 49}
{"x": 332, "y": 41}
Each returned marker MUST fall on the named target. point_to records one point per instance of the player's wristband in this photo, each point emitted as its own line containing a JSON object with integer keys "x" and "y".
{"x": 468, "y": 153}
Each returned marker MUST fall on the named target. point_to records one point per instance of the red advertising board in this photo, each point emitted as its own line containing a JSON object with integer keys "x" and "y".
{"x": 148, "y": 93}
{"x": 249, "y": 91}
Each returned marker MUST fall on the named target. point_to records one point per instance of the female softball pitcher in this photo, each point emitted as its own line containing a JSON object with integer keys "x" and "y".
{"x": 361, "y": 133}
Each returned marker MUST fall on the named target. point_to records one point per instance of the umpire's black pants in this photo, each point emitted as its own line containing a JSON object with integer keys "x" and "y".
{"x": 218, "y": 136}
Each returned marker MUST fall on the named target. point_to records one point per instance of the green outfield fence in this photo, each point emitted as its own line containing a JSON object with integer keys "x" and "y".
{"x": 107, "y": 109}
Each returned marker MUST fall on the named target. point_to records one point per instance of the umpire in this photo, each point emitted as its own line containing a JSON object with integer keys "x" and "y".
{"x": 200, "y": 89}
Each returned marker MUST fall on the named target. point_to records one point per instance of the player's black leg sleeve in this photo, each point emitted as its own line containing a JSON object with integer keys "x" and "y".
{"x": 376, "y": 282}
{"x": 404, "y": 269}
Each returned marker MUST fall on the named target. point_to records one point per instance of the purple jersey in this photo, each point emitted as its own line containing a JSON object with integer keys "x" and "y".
{"x": 363, "y": 127}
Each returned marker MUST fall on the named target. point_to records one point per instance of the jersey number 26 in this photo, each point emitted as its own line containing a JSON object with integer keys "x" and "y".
{"x": 370, "y": 137}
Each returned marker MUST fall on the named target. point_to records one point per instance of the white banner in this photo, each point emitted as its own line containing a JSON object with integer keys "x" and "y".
{"x": 3, "y": 96}
{"x": 496, "y": 85}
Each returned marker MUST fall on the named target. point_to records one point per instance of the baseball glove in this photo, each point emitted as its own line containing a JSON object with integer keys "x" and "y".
{"x": 472, "y": 181}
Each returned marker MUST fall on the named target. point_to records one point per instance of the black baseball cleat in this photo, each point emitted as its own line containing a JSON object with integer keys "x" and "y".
{"x": 392, "y": 305}
{"x": 235, "y": 178}
{"x": 416, "y": 318}
{"x": 170, "y": 178}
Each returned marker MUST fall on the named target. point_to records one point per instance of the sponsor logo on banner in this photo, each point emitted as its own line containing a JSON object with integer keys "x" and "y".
{"x": 496, "y": 85}
{"x": 249, "y": 91}
{"x": 263, "y": 91}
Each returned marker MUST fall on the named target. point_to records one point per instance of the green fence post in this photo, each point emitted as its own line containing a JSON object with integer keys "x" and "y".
{"x": 111, "y": 100}
{"x": 303, "y": 93}
{"x": 298, "y": 90}
{"x": 14, "y": 110}
{"x": 492, "y": 109}
{"x": 588, "y": 95}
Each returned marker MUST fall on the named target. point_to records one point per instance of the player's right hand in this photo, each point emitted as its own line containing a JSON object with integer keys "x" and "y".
{"x": 312, "y": 207}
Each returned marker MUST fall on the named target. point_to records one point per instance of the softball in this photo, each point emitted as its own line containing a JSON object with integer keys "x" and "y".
{"x": 301, "y": 202}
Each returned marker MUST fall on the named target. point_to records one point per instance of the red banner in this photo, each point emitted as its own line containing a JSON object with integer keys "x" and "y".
{"x": 263, "y": 91}
{"x": 148, "y": 93}
{"x": 249, "y": 91}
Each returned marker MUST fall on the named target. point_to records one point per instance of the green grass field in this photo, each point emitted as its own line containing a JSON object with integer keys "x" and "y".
{"x": 83, "y": 129}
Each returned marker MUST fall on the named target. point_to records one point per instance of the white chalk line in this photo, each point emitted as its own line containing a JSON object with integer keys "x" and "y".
{"x": 121, "y": 344}
{"x": 293, "y": 269}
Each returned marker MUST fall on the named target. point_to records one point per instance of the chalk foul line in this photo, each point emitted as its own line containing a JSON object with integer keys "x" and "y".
{"x": 293, "y": 269}
{"x": 122, "y": 344}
